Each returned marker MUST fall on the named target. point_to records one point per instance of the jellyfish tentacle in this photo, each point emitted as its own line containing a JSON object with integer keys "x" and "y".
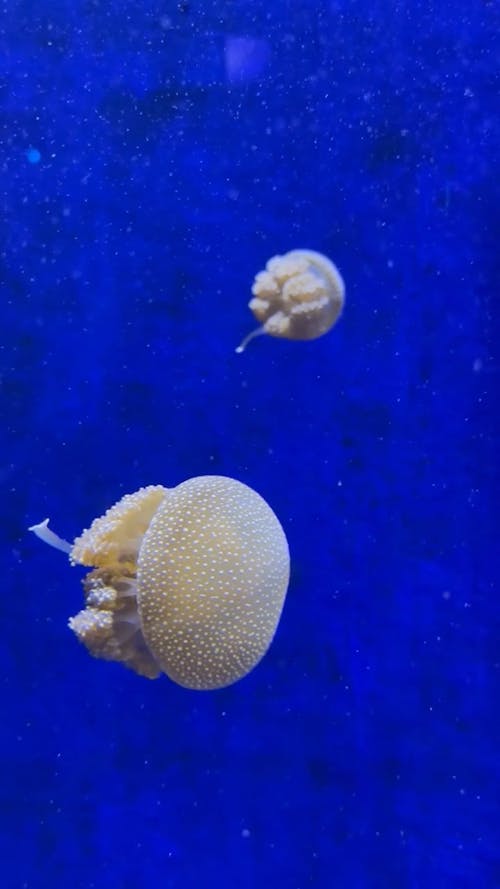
{"x": 259, "y": 331}
{"x": 48, "y": 536}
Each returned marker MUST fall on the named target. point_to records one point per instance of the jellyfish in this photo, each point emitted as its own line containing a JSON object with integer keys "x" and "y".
{"x": 299, "y": 296}
{"x": 187, "y": 581}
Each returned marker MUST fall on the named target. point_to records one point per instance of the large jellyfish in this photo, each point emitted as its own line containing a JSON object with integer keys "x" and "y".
{"x": 189, "y": 581}
{"x": 299, "y": 296}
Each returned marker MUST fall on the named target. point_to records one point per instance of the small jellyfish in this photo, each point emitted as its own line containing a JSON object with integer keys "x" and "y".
{"x": 299, "y": 296}
{"x": 189, "y": 581}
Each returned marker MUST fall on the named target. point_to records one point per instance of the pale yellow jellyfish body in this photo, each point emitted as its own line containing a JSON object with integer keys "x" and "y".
{"x": 188, "y": 581}
{"x": 299, "y": 296}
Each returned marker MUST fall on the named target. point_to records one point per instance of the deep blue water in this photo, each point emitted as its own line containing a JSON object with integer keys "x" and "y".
{"x": 154, "y": 155}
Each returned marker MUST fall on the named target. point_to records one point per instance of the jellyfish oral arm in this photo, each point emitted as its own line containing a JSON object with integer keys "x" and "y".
{"x": 43, "y": 531}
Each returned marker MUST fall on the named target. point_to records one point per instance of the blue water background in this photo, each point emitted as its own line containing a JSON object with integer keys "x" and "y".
{"x": 154, "y": 155}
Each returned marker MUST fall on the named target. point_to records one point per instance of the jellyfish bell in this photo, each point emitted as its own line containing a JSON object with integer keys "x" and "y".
{"x": 299, "y": 296}
{"x": 188, "y": 581}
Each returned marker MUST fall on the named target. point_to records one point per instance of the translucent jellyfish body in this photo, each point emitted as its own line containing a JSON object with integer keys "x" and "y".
{"x": 299, "y": 296}
{"x": 189, "y": 581}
